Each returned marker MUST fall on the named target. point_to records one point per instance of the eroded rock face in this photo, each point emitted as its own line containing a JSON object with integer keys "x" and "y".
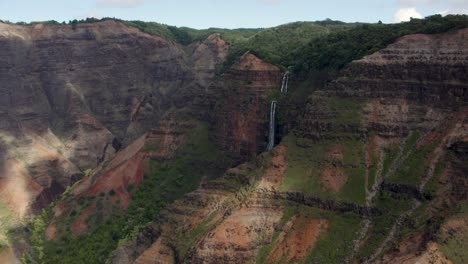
{"x": 86, "y": 91}
{"x": 425, "y": 69}
{"x": 414, "y": 83}
{"x": 241, "y": 106}
{"x": 110, "y": 97}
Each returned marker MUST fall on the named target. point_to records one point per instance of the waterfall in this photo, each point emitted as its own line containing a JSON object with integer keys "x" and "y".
{"x": 271, "y": 132}
{"x": 284, "y": 84}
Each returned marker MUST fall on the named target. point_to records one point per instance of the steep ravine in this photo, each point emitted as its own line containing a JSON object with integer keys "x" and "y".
{"x": 359, "y": 133}
{"x": 72, "y": 97}
{"x": 170, "y": 162}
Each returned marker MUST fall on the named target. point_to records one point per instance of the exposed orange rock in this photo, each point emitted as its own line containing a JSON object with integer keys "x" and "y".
{"x": 7, "y": 256}
{"x": 79, "y": 226}
{"x": 296, "y": 240}
{"x": 273, "y": 175}
{"x": 250, "y": 62}
{"x": 237, "y": 238}
{"x": 51, "y": 231}
{"x": 409, "y": 252}
{"x": 335, "y": 153}
{"x": 334, "y": 178}
{"x": 17, "y": 189}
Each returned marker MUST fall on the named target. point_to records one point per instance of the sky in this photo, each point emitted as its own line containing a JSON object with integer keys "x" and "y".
{"x": 229, "y": 13}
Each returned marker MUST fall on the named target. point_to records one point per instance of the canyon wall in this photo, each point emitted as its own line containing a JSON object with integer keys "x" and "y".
{"x": 400, "y": 108}
{"x": 72, "y": 96}
{"x": 108, "y": 104}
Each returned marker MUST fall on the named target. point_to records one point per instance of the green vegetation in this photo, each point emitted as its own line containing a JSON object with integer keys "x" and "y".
{"x": 303, "y": 164}
{"x": 391, "y": 205}
{"x": 335, "y": 50}
{"x": 433, "y": 185}
{"x": 390, "y": 155}
{"x": 373, "y": 168}
{"x": 164, "y": 183}
{"x": 411, "y": 171}
{"x": 306, "y": 159}
{"x": 335, "y": 245}
{"x": 288, "y": 212}
{"x": 308, "y": 47}
{"x": 276, "y": 45}
{"x": 411, "y": 140}
{"x": 332, "y": 246}
{"x": 92, "y": 248}
{"x": 454, "y": 246}
{"x": 37, "y": 226}
{"x": 186, "y": 241}
{"x": 455, "y": 249}
{"x": 88, "y": 172}
{"x": 7, "y": 221}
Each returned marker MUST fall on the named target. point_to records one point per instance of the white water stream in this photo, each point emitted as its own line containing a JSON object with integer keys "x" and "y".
{"x": 272, "y": 126}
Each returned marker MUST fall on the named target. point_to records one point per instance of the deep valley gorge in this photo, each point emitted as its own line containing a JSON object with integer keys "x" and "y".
{"x": 312, "y": 142}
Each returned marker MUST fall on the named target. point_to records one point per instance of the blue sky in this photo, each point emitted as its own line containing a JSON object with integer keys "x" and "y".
{"x": 228, "y": 13}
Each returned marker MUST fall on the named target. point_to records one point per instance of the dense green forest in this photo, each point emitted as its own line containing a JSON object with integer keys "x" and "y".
{"x": 334, "y": 51}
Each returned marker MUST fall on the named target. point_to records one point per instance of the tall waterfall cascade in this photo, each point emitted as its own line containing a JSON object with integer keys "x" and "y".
{"x": 284, "y": 84}
{"x": 271, "y": 131}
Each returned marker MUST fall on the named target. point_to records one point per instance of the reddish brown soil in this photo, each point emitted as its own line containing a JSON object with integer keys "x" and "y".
{"x": 298, "y": 241}
{"x": 335, "y": 153}
{"x": 333, "y": 178}
{"x": 409, "y": 252}
{"x": 157, "y": 253}
{"x": 79, "y": 226}
{"x": 128, "y": 152}
{"x": 273, "y": 175}
{"x": 51, "y": 231}
{"x": 250, "y": 62}
{"x": 118, "y": 179}
{"x": 7, "y": 256}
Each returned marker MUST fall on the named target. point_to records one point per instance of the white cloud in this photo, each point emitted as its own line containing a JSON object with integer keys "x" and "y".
{"x": 405, "y": 14}
{"x": 119, "y": 3}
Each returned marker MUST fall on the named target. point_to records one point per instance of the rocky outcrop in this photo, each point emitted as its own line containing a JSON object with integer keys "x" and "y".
{"x": 412, "y": 84}
{"x": 78, "y": 85}
{"x": 97, "y": 87}
{"x": 240, "y": 112}
{"x": 424, "y": 69}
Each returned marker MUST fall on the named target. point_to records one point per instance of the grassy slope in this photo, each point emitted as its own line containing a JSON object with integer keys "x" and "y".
{"x": 455, "y": 246}
{"x": 306, "y": 158}
{"x": 331, "y": 247}
{"x": 335, "y": 50}
{"x": 7, "y": 221}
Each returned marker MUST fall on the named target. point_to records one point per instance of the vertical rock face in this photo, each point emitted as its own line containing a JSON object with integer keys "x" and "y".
{"x": 83, "y": 92}
{"x": 425, "y": 69}
{"x": 78, "y": 85}
{"x": 242, "y": 105}
{"x": 412, "y": 84}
